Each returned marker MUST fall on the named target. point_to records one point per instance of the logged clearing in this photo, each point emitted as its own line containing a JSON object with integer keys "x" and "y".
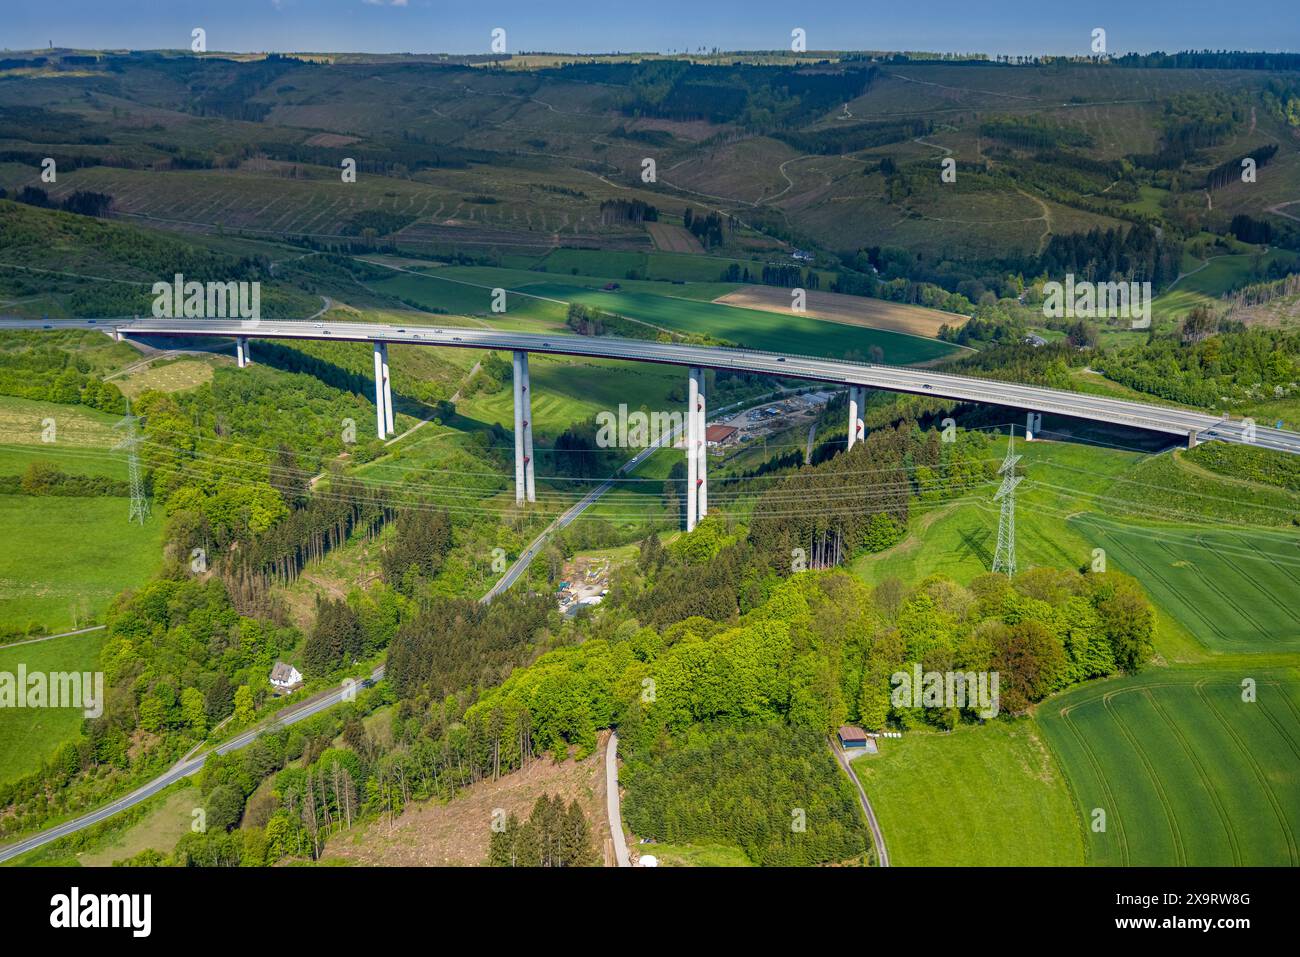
{"x": 167, "y": 377}
{"x": 673, "y": 239}
{"x": 853, "y": 310}
{"x": 331, "y": 139}
{"x": 456, "y": 833}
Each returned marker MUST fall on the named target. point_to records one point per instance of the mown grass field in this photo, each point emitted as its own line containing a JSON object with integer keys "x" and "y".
{"x": 162, "y": 826}
{"x": 64, "y": 559}
{"x": 696, "y": 855}
{"x": 1187, "y": 773}
{"x": 978, "y": 797}
{"x": 28, "y": 736}
{"x": 50, "y": 425}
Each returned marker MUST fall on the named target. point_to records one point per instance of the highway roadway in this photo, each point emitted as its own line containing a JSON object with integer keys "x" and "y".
{"x": 1141, "y": 415}
{"x": 182, "y": 769}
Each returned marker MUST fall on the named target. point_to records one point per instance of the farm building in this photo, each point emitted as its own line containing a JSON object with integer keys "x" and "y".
{"x": 719, "y": 434}
{"x": 852, "y": 739}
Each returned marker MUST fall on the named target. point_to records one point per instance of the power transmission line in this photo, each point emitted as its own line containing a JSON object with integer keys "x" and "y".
{"x": 139, "y": 503}
{"x": 1004, "y": 557}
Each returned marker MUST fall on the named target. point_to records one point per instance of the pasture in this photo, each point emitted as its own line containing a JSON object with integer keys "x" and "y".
{"x": 66, "y": 558}
{"x": 977, "y": 797}
{"x": 1185, "y": 771}
{"x": 1210, "y": 279}
{"x": 29, "y": 736}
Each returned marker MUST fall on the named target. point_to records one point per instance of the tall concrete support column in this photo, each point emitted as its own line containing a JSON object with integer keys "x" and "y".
{"x": 525, "y": 485}
{"x": 241, "y": 351}
{"x": 526, "y": 390}
{"x": 381, "y": 419}
{"x": 857, "y": 403}
{"x": 701, "y": 447}
{"x": 1192, "y": 440}
{"x": 692, "y": 439}
{"x": 388, "y": 392}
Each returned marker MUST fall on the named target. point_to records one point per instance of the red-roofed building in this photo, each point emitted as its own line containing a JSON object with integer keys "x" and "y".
{"x": 719, "y": 434}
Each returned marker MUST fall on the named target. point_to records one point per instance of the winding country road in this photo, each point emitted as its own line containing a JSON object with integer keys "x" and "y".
{"x": 612, "y": 806}
{"x": 185, "y": 768}
{"x": 877, "y": 835}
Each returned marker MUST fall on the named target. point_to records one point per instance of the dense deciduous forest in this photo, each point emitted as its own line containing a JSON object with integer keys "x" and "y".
{"x": 1210, "y": 369}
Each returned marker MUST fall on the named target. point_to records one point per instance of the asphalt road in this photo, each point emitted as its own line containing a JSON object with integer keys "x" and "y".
{"x": 1140, "y": 415}
{"x": 182, "y": 769}
{"x": 877, "y": 835}
{"x": 612, "y": 804}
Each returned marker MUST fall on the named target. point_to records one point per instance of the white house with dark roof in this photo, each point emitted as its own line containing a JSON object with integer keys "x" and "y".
{"x": 285, "y": 677}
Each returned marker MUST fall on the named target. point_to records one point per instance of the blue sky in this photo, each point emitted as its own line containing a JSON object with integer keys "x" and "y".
{"x": 457, "y": 26}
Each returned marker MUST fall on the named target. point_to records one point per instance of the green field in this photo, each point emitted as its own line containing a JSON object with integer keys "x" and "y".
{"x": 684, "y": 309}
{"x": 568, "y": 390}
{"x": 696, "y": 855}
{"x": 1232, "y": 589}
{"x": 753, "y": 328}
{"x": 1211, "y": 279}
{"x": 957, "y": 537}
{"x": 28, "y": 736}
{"x": 980, "y": 796}
{"x": 64, "y": 559}
{"x": 1186, "y": 772}
{"x": 1218, "y": 587}
{"x": 165, "y": 823}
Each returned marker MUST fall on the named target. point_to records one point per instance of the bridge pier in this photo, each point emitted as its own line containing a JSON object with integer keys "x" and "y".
{"x": 1033, "y": 425}
{"x": 382, "y": 396}
{"x": 1192, "y": 440}
{"x": 857, "y": 403}
{"x": 388, "y": 392}
{"x": 702, "y": 448}
{"x": 525, "y": 484}
{"x": 697, "y": 471}
{"x": 243, "y": 355}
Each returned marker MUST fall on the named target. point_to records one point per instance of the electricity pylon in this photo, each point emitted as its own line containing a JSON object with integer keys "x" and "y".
{"x": 1004, "y": 557}
{"x": 139, "y": 503}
